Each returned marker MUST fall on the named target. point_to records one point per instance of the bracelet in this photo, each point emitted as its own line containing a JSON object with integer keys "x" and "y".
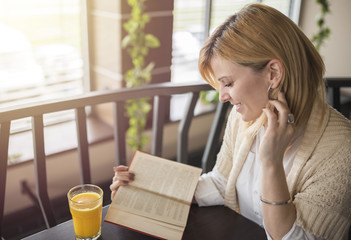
{"x": 276, "y": 203}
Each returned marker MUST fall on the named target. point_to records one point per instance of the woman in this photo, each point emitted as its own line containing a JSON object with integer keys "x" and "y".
{"x": 286, "y": 155}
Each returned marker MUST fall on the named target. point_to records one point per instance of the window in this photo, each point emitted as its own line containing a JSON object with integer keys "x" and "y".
{"x": 40, "y": 53}
{"x": 189, "y": 26}
{"x": 42, "y": 57}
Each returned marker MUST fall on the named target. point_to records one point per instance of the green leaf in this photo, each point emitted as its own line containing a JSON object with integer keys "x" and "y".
{"x": 151, "y": 41}
{"x": 145, "y": 18}
{"x": 136, "y": 14}
{"x": 126, "y": 41}
{"x": 144, "y": 51}
{"x": 146, "y": 107}
{"x": 132, "y": 2}
{"x": 320, "y": 22}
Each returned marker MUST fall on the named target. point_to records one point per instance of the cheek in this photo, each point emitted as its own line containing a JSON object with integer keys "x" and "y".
{"x": 259, "y": 91}
{"x": 257, "y": 98}
{"x": 259, "y": 101}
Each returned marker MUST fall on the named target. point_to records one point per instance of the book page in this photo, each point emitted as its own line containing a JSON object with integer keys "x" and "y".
{"x": 166, "y": 177}
{"x": 151, "y": 205}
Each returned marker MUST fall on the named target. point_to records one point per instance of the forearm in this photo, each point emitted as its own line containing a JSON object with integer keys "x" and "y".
{"x": 278, "y": 219}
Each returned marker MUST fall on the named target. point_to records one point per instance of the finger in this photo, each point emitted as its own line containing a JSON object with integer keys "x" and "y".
{"x": 115, "y": 185}
{"x": 113, "y": 193}
{"x": 280, "y": 106}
{"x": 124, "y": 176}
{"x": 271, "y": 117}
{"x": 124, "y": 179}
{"x": 120, "y": 168}
{"x": 282, "y": 111}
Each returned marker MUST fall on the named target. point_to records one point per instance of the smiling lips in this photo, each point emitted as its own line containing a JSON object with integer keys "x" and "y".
{"x": 237, "y": 106}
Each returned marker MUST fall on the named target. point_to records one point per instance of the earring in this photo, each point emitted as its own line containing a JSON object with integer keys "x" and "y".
{"x": 269, "y": 88}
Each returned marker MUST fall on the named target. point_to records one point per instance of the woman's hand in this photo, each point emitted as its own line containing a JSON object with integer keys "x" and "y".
{"x": 278, "y": 133}
{"x": 274, "y": 143}
{"x": 122, "y": 177}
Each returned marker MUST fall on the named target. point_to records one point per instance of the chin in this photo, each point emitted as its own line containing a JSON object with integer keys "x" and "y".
{"x": 246, "y": 119}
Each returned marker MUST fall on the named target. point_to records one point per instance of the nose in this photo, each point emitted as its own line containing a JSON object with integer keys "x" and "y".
{"x": 223, "y": 95}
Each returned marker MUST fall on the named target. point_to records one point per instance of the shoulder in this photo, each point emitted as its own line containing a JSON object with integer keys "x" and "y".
{"x": 337, "y": 132}
{"x": 339, "y": 122}
{"x": 332, "y": 154}
{"x": 325, "y": 151}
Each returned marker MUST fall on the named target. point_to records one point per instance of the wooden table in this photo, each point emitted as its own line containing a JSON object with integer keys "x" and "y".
{"x": 212, "y": 223}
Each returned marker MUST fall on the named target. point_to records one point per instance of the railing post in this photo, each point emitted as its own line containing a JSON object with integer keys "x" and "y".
{"x": 4, "y": 145}
{"x": 157, "y": 124}
{"x": 209, "y": 156}
{"x": 40, "y": 171}
{"x": 83, "y": 147}
{"x": 183, "y": 129}
{"x": 119, "y": 133}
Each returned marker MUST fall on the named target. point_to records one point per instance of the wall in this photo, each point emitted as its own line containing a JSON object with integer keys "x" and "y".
{"x": 336, "y": 51}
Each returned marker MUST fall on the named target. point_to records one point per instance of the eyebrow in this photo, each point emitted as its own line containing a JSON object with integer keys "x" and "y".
{"x": 222, "y": 78}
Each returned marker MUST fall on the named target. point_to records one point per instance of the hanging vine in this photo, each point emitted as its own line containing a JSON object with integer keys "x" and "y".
{"x": 138, "y": 43}
{"x": 323, "y": 32}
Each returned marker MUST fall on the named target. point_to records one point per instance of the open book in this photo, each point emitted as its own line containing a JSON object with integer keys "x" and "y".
{"x": 158, "y": 201}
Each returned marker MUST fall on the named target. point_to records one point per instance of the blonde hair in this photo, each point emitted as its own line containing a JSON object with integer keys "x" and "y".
{"x": 254, "y": 36}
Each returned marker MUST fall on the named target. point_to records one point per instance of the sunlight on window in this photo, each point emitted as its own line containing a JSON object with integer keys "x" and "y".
{"x": 40, "y": 50}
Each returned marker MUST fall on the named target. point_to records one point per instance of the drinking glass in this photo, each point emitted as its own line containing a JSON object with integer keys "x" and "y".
{"x": 85, "y": 204}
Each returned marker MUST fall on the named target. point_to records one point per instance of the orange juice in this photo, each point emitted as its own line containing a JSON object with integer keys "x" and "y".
{"x": 86, "y": 209}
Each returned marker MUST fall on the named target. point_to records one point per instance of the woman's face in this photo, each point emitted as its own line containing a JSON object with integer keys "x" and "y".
{"x": 242, "y": 87}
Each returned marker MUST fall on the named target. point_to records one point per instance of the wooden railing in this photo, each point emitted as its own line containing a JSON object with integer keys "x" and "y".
{"x": 159, "y": 92}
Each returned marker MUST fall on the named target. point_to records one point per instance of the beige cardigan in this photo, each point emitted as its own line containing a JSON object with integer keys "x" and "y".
{"x": 320, "y": 179}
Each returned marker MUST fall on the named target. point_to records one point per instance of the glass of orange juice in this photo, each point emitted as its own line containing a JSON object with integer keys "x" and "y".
{"x": 85, "y": 204}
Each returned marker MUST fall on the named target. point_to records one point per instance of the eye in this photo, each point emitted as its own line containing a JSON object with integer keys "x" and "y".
{"x": 228, "y": 85}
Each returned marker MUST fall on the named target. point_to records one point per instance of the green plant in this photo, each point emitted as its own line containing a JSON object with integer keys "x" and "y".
{"x": 137, "y": 44}
{"x": 209, "y": 97}
{"x": 323, "y": 32}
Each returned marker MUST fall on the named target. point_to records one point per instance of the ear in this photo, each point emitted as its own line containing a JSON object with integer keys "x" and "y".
{"x": 276, "y": 72}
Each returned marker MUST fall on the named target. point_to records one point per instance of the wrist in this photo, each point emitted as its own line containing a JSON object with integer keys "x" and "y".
{"x": 272, "y": 166}
{"x": 274, "y": 187}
